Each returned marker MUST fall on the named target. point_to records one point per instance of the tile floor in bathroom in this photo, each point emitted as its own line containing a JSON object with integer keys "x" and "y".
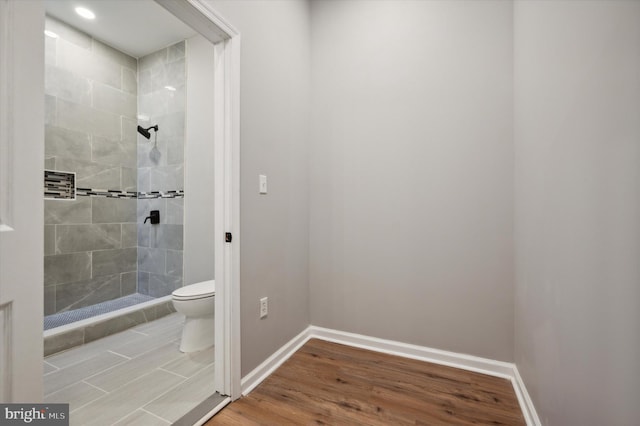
{"x": 136, "y": 377}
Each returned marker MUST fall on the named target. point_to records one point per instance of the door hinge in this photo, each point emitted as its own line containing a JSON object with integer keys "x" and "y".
{"x": 228, "y": 237}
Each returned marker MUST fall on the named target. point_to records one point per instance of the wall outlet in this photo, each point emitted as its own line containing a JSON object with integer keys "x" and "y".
{"x": 264, "y": 307}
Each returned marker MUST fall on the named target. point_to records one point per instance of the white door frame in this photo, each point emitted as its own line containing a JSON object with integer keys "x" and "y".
{"x": 21, "y": 200}
{"x": 226, "y": 39}
{"x": 22, "y": 205}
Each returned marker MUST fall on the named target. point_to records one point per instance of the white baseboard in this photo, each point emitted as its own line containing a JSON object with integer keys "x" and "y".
{"x": 505, "y": 370}
{"x": 420, "y": 353}
{"x": 261, "y": 372}
{"x": 526, "y": 404}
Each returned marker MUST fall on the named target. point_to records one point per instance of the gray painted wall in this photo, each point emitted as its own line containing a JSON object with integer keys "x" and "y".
{"x": 412, "y": 172}
{"x": 578, "y": 209}
{"x": 274, "y": 135}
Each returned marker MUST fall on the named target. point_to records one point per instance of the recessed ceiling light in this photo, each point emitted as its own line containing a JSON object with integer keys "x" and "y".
{"x": 50, "y": 34}
{"x": 85, "y": 13}
{"x": 171, "y": 88}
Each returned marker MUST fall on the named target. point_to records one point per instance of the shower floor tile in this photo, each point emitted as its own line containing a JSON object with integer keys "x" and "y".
{"x": 68, "y": 317}
{"x": 113, "y": 381}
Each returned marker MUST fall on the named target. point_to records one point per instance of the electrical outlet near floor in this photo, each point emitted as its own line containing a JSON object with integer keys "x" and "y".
{"x": 264, "y": 307}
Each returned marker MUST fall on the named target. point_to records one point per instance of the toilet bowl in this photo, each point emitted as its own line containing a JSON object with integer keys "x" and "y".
{"x": 196, "y": 303}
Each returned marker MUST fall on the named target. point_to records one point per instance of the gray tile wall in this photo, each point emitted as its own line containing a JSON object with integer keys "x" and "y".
{"x": 161, "y": 168}
{"x": 91, "y": 106}
{"x": 98, "y": 249}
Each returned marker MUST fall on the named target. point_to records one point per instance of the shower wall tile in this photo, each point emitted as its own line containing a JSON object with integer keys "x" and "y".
{"x": 84, "y": 62}
{"x": 113, "y": 210}
{"x": 67, "y": 211}
{"x": 174, "y": 74}
{"x": 174, "y": 263}
{"x": 144, "y": 81}
{"x": 50, "y": 300}
{"x": 67, "y": 85}
{"x": 151, "y": 260}
{"x": 173, "y": 125}
{"x": 68, "y": 33}
{"x": 49, "y": 240}
{"x": 166, "y": 237}
{"x": 152, "y": 59}
{"x": 143, "y": 282}
{"x": 91, "y": 112}
{"x": 162, "y": 102}
{"x": 129, "y": 128}
{"x": 163, "y": 285}
{"x": 59, "y": 142}
{"x": 50, "y": 163}
{"x": 76, "y": 238}
{"x": 160, "y": 168}
{"x": 109, "y": 262}
{"x": 150, "y": 153}
{"x": 49, "y": 51}
{"x": 175, "y": 152}
{"x": 65, "y": 268}
{"x": 144, "y": 179}
{"x": 115, "y": 101}
{"x": 91, "y": 175}
{"x": 174, "y": 211}
{"x": 86, "y": 293}
{"x": 128, "y": 283}
{"x": 87, "y": 119}
{"x": 113, "y": 55}
{"x": 129, "y": 81}
{"x": 129, "y": 235}
{"x": 128, "y": 179}
{"x": 176, "y": 51}
{"x": 117, "y": 152}
{"x": 144, "y": 231}
{"x": 167, "y": 178}
{"x": 50, "y": 110}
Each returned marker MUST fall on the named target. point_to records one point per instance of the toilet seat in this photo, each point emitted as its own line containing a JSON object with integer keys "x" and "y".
{"x": 196, "y": 291}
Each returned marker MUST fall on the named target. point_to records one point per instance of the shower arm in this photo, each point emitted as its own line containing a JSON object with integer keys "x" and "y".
{"x": 145, "y": 132}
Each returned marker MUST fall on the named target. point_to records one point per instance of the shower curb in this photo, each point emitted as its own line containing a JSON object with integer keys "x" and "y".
{"x": 105, "y": 325}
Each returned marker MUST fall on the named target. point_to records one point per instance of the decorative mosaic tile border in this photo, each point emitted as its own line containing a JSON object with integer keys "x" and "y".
{"x": 112, "y": 193}
{"x": 59, "y": 185}
{"x": 161, "y": 194}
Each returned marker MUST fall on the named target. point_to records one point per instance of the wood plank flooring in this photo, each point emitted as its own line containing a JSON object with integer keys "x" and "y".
{"x": 328, "y": 383}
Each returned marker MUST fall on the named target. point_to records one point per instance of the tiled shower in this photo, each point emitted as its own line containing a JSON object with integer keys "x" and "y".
{"x": 97, "y": 246}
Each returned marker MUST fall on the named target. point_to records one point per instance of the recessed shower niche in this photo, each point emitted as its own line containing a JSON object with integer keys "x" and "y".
{"x": 117, "y": 123}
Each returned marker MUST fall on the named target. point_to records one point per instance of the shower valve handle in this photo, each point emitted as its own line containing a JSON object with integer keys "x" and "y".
{"x": 154, "y": 216}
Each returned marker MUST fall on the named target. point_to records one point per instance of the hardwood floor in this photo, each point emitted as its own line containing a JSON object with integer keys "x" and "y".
{"x": 328, "y": 383}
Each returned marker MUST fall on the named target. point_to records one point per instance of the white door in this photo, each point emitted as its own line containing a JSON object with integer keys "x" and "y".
{"x": 21, "y": 199}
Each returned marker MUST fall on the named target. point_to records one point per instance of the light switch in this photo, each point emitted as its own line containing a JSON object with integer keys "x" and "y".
{"x": 263, "y": 184}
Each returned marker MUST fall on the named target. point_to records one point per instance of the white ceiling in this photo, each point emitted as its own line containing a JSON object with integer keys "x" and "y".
{"x": 136, "y": 27}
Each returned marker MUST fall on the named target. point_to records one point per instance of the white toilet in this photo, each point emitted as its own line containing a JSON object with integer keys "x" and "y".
{"x": 196, "y": 303}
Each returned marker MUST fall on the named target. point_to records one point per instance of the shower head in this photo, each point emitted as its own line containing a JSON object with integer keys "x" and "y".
{"x": 145, "y": 132}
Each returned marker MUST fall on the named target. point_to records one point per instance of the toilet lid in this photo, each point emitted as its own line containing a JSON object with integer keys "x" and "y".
{"x": 196, "y": 291}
